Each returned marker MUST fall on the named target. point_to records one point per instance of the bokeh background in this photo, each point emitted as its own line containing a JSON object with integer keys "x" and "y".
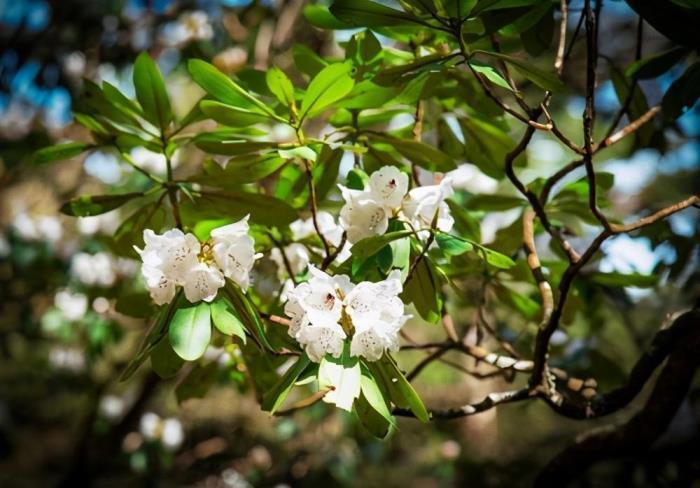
{"x": 66, "y": 420}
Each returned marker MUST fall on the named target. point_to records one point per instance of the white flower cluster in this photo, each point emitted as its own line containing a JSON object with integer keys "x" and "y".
{"x": 366, "y": 212}
{"x": 178, "y": 259}
{"x": 326, "y": 310}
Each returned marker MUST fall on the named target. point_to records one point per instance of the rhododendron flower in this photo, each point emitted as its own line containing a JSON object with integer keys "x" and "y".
{"x": 424, "y": 202}
{"x": 362, "y": 216}
{"x": 327, "y": 309}
{"x": 175, "y": 259}
{"x": 388, "y": 186}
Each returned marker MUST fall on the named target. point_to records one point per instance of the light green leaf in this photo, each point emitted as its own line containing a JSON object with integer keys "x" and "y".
{"x": 224, "y": 89}
{"x": 230, "y": 115}
{"x": 281, "y": 86}
{"x": 544, "y": 79}
{"x": 190, "y": 331}
{"x": 301, "y": 152}
{"x": 225, "y": 320}
{"x": 371, "y": 245}
{"x": 330, "y": 85}
{"x": 87, "y": 205}
{"x": 60, "y": 152}
{"x": 150, "y": 92}
{"x": 490, "y": 73}
{"x": 451, "y": 245}
{"x": 373, "y": 394}
{"x": 399, "y": 389}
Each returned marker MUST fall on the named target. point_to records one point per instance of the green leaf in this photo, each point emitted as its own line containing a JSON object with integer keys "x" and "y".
{"x": 656, "y": 65}
{"x": 135, "y": 304}
{"x": 230, "y": 115}
{"x": 281, "y": 86}
{"x": 164, "y": 361}
{"x": 319, "y": 16}
{"x": 197, "y": 382}
{"x": 451, "y": 245}
{"x": 150, "y": 92}
{"x": 371, "y": 245}
{"x": 190, "y": 331}
{"x": 307, "y": 61}
{"x": 615, "y": 279}
{"x": 87, "y": 205}
{"x": 328, "y": 165}
{"x": 370, "y": 419}
{"x": 342, "y": 376}
{"x": 248, "y": 314}
{"x": 274, "y": 398}
{"x": 422, "y": 289}
{"x": 373, "y": 395}
{"x": 419, "y": 153}
{"x": 399, "y": 389}
{"x": 249, "y": 168}
{"x": 301, "y": 152}
{"x": 544, "y": 79}
{"x": 60, "y": 152}
{"x": 225, "y": 320}
{"x": 224, "y": 89}
{"x": 525, "y": 305}
{"x": 365, "y": 13}
{"x": 155, "y": 334}
{"x": 494, "y": 258}
{"x": 490, "y": 73}
{"x": 638, "y": 106}
{"x": 683, "y": 93}
{"x": 331, "y": 84}
{"x": 226, "y": 145}
{"x": 263, "y": 209}
{"x": 486, "y": 146}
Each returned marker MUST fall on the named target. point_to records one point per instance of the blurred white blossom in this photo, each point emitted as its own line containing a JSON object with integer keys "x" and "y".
{"x": 72, "y": 305}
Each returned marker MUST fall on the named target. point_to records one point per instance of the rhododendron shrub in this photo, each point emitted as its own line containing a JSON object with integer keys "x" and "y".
{"x": 333, "y": 216}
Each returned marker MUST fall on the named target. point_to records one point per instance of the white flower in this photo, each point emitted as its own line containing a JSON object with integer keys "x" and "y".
{"x": 177, "y": 259}
{"x": 202, "y": 283}
{"x": 362, "y": 216}
{"x": 469, "y": 177}
{"x": 388, "y": 186}
{"x": 174, "y": 253}
{"x": 332, "y": 232}
{"x": 72, "y": 305}
{"x": 377, "y": 315}
{"x": 297, "y": 256}
{"x": 424, "y": 202}
{"x": 234, "y": 251}
{"x": 325, "y": 308}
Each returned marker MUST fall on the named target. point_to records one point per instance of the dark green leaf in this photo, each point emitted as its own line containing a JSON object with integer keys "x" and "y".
{"x": 655, "y": 66}
{"x": 274, "y": 398}
{"x": 422, "y": 288}
{"x": 615, "y": 279}
{"x": 150, "y": 92}
{"x": 164, "y": 361}
{"x": 263, "y": 209}
{"x": 197, "y": 383}
{"x": 365, "y": 13}
{"x": 87, "y": 205}
{"x": 683, "y": 93}
{"x": 419, "y": 153}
